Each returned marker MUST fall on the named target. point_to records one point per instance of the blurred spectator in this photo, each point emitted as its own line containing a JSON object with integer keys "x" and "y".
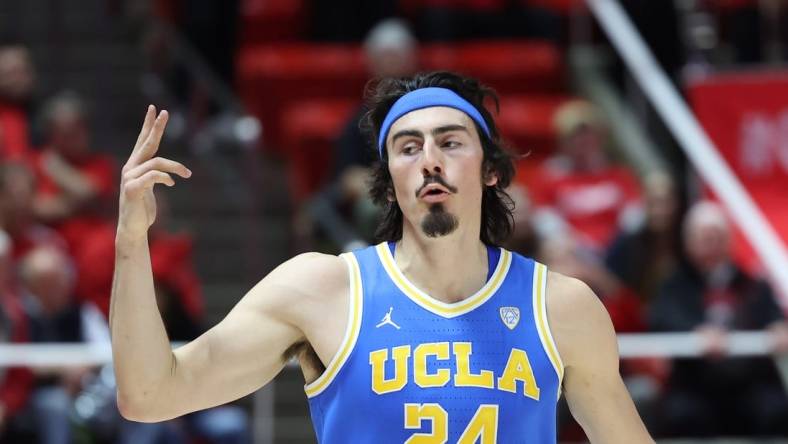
{"x": 523, "y": 239}
{"x": 77, "y": 193}
{"x": 391, "y": 51}
{"x": 47, "y": 278}
{"x": 77, "y": 186}
{"x": 343, "y": 208}
{"x": 565, "y": 255}
{"x": 17, "y": 218}
{"x": 581, "y": 190}
{"x": 16, "y": 85}
{"x": 15, "y": 382}
{"x": 658, "y": 234}
{"x": 709, "y": 294}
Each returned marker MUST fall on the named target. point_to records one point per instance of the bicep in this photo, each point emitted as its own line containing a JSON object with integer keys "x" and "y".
{"x": 239, "y": 355}
{"x": 247, "y": 348}
{"x": 234, "y": 358}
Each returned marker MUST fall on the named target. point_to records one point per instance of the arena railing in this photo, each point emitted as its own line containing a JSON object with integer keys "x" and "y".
{"x": 640, "y": 345}
{"x": 679, "y": 345}
{"x": 696, "y": 144}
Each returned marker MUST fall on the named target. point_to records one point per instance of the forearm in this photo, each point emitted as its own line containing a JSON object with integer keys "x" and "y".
{"x": 140, "y": 347}
{"x": 70, "y": 180}
{"x": 53, "y": 208}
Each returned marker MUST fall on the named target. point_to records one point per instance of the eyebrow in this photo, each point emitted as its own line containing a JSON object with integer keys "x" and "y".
{"x": 435, "y": 131}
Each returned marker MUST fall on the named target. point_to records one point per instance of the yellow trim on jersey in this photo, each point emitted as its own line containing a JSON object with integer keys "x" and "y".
{"x": 442, "y": 308}
{"x": 540, "y": 313}
{"x": 351, "y": 332}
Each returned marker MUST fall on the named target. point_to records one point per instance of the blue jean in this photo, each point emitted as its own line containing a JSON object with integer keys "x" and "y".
{"x": 227, "y": 424}
{"x": 51, "y": 409}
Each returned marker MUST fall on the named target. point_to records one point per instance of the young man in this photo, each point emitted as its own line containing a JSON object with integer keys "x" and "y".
{"x": 435, "y": 335}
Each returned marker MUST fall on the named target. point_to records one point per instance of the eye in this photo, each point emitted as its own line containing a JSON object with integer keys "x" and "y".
{"x": 410, "y": 148}
{"x": 451, "y": 144}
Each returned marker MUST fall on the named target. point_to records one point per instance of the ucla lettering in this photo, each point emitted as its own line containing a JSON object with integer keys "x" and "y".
{"x": 463, "y": 374}
{"x": 377, "y": 359}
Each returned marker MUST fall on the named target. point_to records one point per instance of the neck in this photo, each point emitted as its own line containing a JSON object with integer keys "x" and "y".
{"x": 448, "y": 268}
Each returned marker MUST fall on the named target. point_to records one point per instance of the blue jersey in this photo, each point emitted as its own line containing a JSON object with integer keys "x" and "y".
{"x": 413, "y": 369}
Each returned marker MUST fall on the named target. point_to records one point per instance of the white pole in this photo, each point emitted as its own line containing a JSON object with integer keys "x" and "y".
{"x": 688, "y": 345}
{"x": 695, "y": 142}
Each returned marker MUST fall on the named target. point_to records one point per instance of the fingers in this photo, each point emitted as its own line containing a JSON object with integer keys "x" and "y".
{"x": 149, "y": 137}
{"x": 150, "y": 115}
{"x": 151, "y": 144}
{"x": 160, "y": 164}
{"x": 136, "y": 187}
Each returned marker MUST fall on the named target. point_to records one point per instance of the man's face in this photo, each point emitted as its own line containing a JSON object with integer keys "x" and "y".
{"x": 661, "y": 207}
{"x": 16, "y": 74}
{"x": 435, "y": 161}
{"x": 584, "y": 145}
{"x": 69, "y": 136}
{"x": 16, "y": 199}
{"x": 707, "y": 244}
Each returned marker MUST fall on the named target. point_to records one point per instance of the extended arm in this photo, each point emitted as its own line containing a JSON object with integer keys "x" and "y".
{"x": 593, "y": 387}
{"x": 241, "y": 353}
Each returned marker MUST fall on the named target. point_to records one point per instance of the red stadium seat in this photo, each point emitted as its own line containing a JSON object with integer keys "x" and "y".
{"x": 508, "y": 66}
{"x": 271, "y": 20}
{"x": 273, "y": 76}
{"x": 526, "y": 123}
{"x": 309, "y": 130}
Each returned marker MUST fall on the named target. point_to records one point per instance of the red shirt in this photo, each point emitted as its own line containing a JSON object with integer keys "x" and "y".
{"x": 171, "y": 261}
{"x": 34, "y": 236}
{"x": 14, "y": 139}
{"x": 89, "y": 233}
{"x": 98, "y": 169}
{"x": 590, "y": 202}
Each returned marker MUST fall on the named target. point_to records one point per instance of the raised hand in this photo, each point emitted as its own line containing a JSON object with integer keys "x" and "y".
{"x": 140, "y": 173}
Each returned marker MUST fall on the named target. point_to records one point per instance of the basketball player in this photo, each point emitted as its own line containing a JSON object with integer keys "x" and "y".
{"x": 435, "y": 335}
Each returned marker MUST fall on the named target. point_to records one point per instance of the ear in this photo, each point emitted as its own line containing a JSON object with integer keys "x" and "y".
{"x": 390, "y": 195}
{"x": 491, "y": 178}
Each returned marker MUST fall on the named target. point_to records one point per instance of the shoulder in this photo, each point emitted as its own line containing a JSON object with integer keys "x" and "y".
{"x": 570, "y": 299}
{"x": 300, "y": 290}
{"x": 578, "y": 320}
{"x": 310, "y": 274}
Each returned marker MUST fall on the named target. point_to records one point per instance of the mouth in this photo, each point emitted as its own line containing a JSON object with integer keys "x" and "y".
{"x": 434, "y": 194}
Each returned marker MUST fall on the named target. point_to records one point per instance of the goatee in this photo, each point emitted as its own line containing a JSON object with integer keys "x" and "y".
{"x": 438, "y": 222}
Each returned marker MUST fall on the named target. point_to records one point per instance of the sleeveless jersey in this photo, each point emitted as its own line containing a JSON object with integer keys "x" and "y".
{"x": 413, "y": 369}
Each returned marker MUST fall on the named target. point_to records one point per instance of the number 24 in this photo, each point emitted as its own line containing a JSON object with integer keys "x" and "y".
{"x": 484, "y": 424}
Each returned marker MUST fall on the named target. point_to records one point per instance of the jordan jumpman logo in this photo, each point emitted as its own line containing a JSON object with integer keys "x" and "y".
{"x": 387, "y": 320}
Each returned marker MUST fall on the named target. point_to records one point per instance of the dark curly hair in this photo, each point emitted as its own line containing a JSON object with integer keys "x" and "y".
{"x": 497, "y": 220}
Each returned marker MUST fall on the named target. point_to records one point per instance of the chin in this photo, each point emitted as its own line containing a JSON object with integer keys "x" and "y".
{"x": 439, "y": 222}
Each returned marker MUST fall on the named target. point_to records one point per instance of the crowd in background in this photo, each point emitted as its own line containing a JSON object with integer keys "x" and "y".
{"x": 658, "y": 261}
{"x": 58, "y": 198}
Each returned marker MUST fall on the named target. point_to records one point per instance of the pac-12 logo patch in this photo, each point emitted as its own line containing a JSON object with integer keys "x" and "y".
{"x": 510, "y": 316}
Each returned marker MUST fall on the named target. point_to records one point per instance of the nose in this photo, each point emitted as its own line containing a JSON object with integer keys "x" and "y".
{"x": 432, "y": 160}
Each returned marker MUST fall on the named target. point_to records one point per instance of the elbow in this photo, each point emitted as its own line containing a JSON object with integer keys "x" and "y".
{"x": 136, "y": 409}
{"x": 127, "y": 408}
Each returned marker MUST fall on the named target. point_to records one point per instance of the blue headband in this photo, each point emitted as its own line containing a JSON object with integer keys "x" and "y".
{"x": 427, "y": 98}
